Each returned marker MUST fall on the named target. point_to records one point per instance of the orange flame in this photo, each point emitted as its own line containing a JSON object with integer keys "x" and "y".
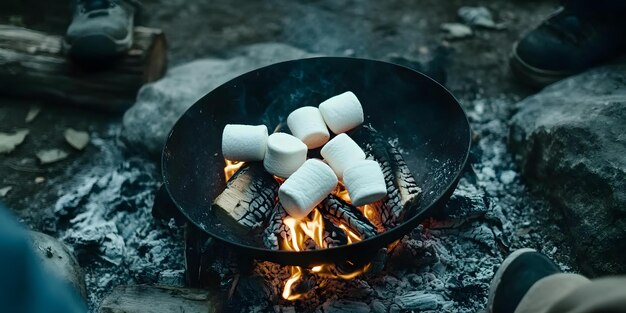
{"x": 313, "y": 227}
{"x": 231, "y": 168}
{"x": 310, "y": 227}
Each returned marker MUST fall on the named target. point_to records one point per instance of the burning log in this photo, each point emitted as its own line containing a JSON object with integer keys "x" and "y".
{"x": 248, "y": 199}
{"x": 402, "y": 190}
{"x": 341, "y": 212}
{"x": 277, "y": 230}
{"x": 333, "y": 236}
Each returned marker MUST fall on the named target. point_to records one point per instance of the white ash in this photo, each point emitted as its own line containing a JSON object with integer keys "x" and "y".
{"x": 104, "y": 213}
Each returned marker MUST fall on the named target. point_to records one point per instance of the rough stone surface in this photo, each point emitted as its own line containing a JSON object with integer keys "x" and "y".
{"x": 59, "y": 260}
{"x": 571, "y": 143}
{"x": 160, "y": 104}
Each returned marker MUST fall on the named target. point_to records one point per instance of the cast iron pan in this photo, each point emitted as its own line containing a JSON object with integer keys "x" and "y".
{"x": 431, "y": 128}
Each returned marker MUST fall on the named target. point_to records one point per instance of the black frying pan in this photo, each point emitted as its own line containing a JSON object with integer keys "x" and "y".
{"x": 432, "y": 131}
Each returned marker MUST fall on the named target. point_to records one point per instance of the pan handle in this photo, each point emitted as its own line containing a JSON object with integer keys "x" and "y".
{"x": 164, "y": 208}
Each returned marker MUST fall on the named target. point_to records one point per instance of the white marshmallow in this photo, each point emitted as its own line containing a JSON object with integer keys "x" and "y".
{"x": 285, "y": 154}
{"x": 307, "y": 124}
{"x": 342, "y": 112}
{"x": 244, "y": 142}
{"x": 342, "y": 152}
{"x": 365, "y": 182}
{"x": 306, "y": 188}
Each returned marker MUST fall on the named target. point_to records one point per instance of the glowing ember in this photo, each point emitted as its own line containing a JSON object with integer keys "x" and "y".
{"x": 231, "y": 168}
{"x": 310, "y": 229}
{"x": 313, "y": 227}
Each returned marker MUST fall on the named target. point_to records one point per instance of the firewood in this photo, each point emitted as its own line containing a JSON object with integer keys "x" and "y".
{"x": 152, "y": 299}
{"x": 340, "y": 212}
{"x": 333, "y": 236}
{"x": 277, "y": 231}
{"x": 403, "y": 193}
{"x": 33, "y": 64}
{"x": 248, "y": 199}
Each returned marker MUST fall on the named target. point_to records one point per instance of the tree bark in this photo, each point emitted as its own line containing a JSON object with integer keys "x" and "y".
{"x": 33, "y": 64}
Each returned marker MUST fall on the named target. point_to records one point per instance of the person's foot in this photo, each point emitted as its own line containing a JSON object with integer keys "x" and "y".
{"x": 566, "y": 44}
{"x": 100, "y": 29}
{"x": 519, "y": 271}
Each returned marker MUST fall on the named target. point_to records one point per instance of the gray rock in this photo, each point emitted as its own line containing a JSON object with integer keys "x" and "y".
{"x": 160, "y": 104}
{"x": 58, "y": 260}
{"x": 570, "y": 140}
{"x": 456, "y": 30}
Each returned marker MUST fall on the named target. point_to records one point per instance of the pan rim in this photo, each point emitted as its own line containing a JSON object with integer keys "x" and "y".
{"x": 257, "y": 251}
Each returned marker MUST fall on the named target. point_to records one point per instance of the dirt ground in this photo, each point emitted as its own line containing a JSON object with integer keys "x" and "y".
{"x": 476, "y": 68}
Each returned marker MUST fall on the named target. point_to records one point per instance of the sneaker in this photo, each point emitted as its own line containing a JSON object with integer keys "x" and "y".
{"x": 519, "y": 271}
{"x": 100, "y": 29}
{"x": 566, "y": 44}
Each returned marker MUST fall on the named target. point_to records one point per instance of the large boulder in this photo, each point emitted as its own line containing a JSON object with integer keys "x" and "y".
{"x": 570, "y": 140}
{"x": 161, "y": 103}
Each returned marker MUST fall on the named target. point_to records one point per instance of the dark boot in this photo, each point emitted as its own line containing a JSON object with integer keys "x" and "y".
{"x": 520, "y": 271}
{"x": 574, "y": 38}
{"x": 100, "y": 29}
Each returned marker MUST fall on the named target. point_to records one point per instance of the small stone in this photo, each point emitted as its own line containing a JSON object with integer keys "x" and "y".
{"x": 39, "y": 179}
{"x": 8, "y": 142}
{"x": 58, "y": 260}
{"x": 77, "y": 139}
{"x": 478, "y": 16}
{"x": 51, "y": 156}
{"x": 32, "y": 113}
{"x": 507, "y": 177}
{"x": 4, "y": 191}
{"x": 456, "y": 30}
{"x": 174, "y": 278}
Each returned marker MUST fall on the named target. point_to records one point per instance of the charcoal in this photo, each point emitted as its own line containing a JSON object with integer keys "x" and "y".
{"x": 402, "y": 190}
{"x": 333, "y": 236}
{"x": 340, "y": 212}
{"x": 277, "y": 231}
{"x": 248, "y": 199}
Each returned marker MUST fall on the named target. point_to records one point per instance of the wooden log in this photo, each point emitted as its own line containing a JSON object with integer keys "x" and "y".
{"x": 153, "y": 299}
{"x": 249, "y": 198}
{"x": 33, "y": 64}
{"x": 340, "y": 212}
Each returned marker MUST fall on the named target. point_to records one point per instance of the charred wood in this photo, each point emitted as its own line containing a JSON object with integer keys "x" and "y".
{"x": 340, "y": 212}
{"x": 277, "y": 232}
{"x": 402, "y": 190}
{"x": 248, "y": 199}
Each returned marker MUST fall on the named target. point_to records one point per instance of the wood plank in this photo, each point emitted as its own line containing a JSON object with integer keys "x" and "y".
{"x": 158, "y": 299}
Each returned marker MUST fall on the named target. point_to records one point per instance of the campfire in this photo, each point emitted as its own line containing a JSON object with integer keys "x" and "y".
{"x": 332, "y": 223}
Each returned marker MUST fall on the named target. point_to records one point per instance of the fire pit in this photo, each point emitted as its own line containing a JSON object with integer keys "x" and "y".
{"x": 415, "y": 116}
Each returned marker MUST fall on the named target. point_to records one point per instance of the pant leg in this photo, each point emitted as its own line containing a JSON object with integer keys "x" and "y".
{"x": 572, "y": 293}
{"x": 548, "y": 291}
{"x": 24, "y": 285}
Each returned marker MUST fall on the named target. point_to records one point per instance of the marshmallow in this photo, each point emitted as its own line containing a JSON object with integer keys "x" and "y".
{"x": 306, "y": 188}
{"x": 342, "y": 152}
{"x": 365, "y": 182}
{"x": 244, "y": 142}
{"x": 285, "y": 154}
{"x": 307, "y": 124}
{"x": 342, "y": 112}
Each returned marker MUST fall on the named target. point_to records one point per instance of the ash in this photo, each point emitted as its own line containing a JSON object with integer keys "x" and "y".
{"x": 445, "y": 265}
{"x": 105, "y": 215}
